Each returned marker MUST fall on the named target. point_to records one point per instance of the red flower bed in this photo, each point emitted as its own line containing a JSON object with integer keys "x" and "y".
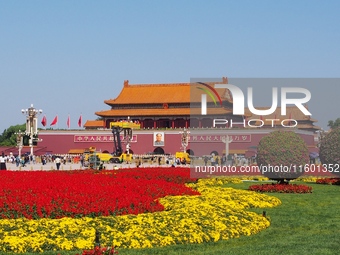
{"x": 57, "y": 194}
{"x": 177, "y": 175}
{"x": 281, "y": 188}
{"x": 330, "y": 181}
{"x": 99, "y": 251}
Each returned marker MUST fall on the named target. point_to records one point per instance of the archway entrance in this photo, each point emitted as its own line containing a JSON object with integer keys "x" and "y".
{"x": 190, "y": 152}
{"x": 158, "y": 150}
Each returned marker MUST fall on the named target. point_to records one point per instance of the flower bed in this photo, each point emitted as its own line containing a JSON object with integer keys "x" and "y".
{"x": 330, "y": 181}
{"x": 281, "y": 188}
{"x": 218, "y": 213}
{"x": 100, "y": 251}
{"x": 42, "y": 194}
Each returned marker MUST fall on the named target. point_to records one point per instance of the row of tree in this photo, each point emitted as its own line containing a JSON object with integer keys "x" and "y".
{"x": 9, "y": 136}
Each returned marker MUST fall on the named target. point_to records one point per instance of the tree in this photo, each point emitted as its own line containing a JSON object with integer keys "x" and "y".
{"x": 334, "y": 124}
{"x": 330, "y": 150}
{"x": 280, "y": 155}
{"x": 8, "y": 137}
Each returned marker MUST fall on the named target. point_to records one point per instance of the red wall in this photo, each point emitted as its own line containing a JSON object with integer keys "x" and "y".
{"x": 60, "y": 142}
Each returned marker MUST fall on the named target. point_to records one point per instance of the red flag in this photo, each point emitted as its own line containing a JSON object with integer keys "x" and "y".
{"x": 55, "y": 120}
{"x": 44, "y": 121}
{"x": 79, "y": 121}
{"x": 68, "y": 121}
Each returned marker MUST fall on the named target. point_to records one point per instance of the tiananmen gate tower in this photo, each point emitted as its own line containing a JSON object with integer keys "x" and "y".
{"x": 168, "y": 109}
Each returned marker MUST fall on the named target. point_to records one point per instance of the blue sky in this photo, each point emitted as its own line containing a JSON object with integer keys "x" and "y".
{"x": 67, "y": 57}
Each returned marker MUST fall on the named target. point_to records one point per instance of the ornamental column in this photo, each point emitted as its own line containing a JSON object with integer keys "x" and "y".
{"x": 31, "y": 124}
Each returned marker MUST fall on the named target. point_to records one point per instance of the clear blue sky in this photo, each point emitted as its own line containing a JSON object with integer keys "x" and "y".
{"x": 67, "y": 57}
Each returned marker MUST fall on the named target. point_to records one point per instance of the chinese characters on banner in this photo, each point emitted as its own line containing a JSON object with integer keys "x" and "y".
{"x": 100, "y": 138}
{"x": 193, "y": 138}
{"x": 218, "y": 138}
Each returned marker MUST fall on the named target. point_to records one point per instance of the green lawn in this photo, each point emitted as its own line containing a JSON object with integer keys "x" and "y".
{"x": 303, "y": 224}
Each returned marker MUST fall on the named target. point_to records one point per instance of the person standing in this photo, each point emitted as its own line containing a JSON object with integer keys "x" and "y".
{"x": 82, "y": 160}
{"x": 17, "y": 161}
{"x": 205, "y": 160}
{"x": 57, "y": 162}
{"x": 43, "y": 161}
{"x": 2, "y": 162}
{"x": 213, "y": 159}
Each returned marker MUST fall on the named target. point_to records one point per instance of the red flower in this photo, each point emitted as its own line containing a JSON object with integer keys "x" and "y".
{"x": 281, "y": 188}
{"x": 58, "y": 194}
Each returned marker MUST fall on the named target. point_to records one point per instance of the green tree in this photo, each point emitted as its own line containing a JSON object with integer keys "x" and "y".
{"x": 281, "y": 153}
{"x": 334, "y": 124}
{"x": 330, "y": 150}
{"x": 9, "y": 137}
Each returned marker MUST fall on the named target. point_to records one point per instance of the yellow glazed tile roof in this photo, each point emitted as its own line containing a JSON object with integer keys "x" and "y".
{"x": 165, "y": 93}
{"x": 292, "y": 112}
{"x": 95, "y": 123}
{"x": 160, "y": 112}
{"x": 76, "y": 151}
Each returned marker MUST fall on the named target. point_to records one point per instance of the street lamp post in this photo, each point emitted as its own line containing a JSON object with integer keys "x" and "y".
{"x": 226, "y": 139}
{"x": 19, "y": 141}
{"x": 31, "y": 124}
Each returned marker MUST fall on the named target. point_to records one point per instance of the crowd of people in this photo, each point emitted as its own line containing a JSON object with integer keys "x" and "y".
{"x": 26, "y": 159}
{"x": 58, "y": 160}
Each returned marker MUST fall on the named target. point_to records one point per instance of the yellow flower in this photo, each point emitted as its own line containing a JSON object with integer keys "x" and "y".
{"x": 218, "y": 213}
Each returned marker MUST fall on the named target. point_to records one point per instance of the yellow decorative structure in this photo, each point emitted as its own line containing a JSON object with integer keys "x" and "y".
{"x": 125, "y": 124}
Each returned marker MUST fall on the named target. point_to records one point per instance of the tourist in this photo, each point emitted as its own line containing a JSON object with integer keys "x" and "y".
{"x": 82, "y": 160}
{"x": 139, "y": 162}
{"x": 43, "y": 161}
{"x": 2, "y": 162}
{"x": 17, "y": 161}
{"x": 205, "y": 161}
{"x": 213, "y": 159}
{"x": 23, "y": 161}
{"x": 57, "y": 162}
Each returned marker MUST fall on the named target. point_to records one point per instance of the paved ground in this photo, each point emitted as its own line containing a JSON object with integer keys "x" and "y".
{"x": 52, "y": 166}
{"x": 70, "y": 166}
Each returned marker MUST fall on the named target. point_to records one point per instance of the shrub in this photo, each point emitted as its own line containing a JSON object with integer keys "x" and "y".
{"x": 330, "y": 149}
{"x": 284, "y": 152}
